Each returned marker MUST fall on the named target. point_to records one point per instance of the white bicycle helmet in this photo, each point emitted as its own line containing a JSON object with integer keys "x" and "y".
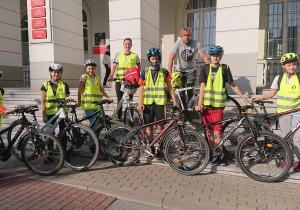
{"x": 55, "y": 67}
{"x": 89, "y": 62}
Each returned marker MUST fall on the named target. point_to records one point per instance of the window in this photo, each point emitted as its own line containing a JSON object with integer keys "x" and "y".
{"x": 85, "y": 35}
{"x": 282, "y": 28}
{"x": 201, "y": 18}
{"x": 24, "y": 40}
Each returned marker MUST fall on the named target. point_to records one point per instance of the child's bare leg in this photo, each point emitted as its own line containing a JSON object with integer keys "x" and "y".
{"x": 160, "y": 129}
{"x": 211, "y": 138}
{"x": 151, "y": 137}
{"x": 219, "y": 137}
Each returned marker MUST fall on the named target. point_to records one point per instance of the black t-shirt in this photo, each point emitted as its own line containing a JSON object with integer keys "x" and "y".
{"x": 226, "y": 73}
{"x": 54, "y": 87}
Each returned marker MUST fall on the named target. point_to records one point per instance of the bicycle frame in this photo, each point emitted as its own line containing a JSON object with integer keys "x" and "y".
{"x": 59, "y": 115}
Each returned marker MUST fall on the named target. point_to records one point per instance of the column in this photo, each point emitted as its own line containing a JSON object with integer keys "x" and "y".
{"x": 237, "y": 30}
{"x": 135, "y": 19}
{"x": 55, "y": 36}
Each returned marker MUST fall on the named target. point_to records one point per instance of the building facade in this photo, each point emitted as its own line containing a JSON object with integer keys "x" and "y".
{"x": 36, "y": 33}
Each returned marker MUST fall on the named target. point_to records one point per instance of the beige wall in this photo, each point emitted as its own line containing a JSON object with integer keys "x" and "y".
{"x": 10, "y": 44}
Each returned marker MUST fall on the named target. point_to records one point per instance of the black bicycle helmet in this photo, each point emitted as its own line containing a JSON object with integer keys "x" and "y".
{"x": 288, "y": 57}
{"x": 153, "y": 51}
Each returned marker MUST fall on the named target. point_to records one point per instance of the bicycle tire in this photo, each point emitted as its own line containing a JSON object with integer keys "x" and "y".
{"x": 119, "y": 152}
{"x": 43, "y": 155}
{"x": 127, "y": 118}
{"x": 16, "y": 148}
{"x": 230, "y": 144}
{"x": 100, "y": 133}
{"x": 79, "y": 157}
{"x": 275, "y": 163}
{"x": 191, "y": 160}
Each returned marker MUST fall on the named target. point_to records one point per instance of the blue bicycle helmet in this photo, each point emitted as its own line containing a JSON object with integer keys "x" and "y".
{"x": 153, "y": 51}
{"x": 216, "y": 50}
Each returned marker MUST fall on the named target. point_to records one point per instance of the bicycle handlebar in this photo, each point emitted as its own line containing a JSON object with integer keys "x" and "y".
{"x": 263, "y": 102}
{"x": 104, "y": 101}
{"x": 26, "y": 109}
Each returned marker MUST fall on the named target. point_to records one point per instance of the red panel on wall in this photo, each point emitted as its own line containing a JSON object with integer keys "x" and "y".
{"x": 38, "y": 23}
{"x": 38, "y": 12}
{"x": 39, "y": 34}
{"x": 99, "y": 50}
{"x": 37, "y": 3}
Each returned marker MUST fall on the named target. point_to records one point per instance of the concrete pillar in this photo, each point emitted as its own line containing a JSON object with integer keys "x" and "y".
{"x": 10, "y": 44}
{"x": 238, "y": 34}
{"x": 63, "y": 45}
{"x": 135, "y": 19}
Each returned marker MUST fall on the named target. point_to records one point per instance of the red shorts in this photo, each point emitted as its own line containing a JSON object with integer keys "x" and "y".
{"x": 213, "y": 115}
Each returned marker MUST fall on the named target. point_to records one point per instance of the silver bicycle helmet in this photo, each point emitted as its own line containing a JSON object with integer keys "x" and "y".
{"x": 89, "y": 62}
{"x": 55, "y": 67}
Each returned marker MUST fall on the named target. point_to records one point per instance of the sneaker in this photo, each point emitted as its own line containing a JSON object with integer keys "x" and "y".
{"x": 149, "y": 160}
{"x": 296, "y": 166}
{"x": 92, "y": 148}
{"x": 215, "y": 162}
{"x": 223, "y": 162}
{"x": 159, "y": 154}
{"x": 138, "y": 160}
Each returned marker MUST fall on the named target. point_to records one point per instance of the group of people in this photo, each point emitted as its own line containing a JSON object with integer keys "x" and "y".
{"x": 154, "y": 79}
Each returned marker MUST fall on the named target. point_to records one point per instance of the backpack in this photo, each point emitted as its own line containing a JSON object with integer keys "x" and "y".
{"x": 132, "y": 75}
{"x": 280, "y": 79}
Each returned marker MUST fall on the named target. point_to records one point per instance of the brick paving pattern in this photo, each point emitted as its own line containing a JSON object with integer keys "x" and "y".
{"x": 26, "y": 193}
{"x": 158, "y": 185}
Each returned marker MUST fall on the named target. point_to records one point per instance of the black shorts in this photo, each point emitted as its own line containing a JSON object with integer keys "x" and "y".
{"x": 152, "y": 112}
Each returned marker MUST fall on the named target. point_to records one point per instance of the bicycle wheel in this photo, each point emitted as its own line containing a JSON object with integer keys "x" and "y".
{"x": 188, "y": 160}
{"x": 272, "y": 164}
{"x": 43, "y": 154}
{"x": 231, "y": 143}
{"x": 16, "y": 148}
{"x": 122, "y": 149}
{"x": 101, "y": 131}
{"x": 79, "y": 153}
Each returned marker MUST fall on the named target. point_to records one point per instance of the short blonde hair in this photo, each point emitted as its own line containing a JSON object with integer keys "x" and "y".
{"x": 185, "y": 31}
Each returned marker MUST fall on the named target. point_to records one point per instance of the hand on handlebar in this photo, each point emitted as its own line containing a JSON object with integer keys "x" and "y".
{"x": 254, "y": 99}
{"x": 198, "y": 107}
{"x": 110, "y": 99}
{"x": 68, "y": 99}
{"x": 111, "y": 78}
{"x": 140, "y": 107}
{"x": 9, "y": 111}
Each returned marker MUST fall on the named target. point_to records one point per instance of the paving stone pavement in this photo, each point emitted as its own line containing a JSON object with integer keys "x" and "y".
{"x": 158, "y": 185}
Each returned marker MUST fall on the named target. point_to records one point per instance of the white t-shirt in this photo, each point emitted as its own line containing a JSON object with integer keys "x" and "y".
{"x": 82, "y": 79}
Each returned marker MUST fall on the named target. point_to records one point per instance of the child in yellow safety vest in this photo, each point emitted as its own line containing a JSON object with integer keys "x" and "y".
{"x": 152, "y": 95}
{"x": 288, "y": 87}
{"x": 90, "y": 90}
{"x": 2, "y": 108}
{"x": 53, "y": 89}
{"x": 212, "y": 96}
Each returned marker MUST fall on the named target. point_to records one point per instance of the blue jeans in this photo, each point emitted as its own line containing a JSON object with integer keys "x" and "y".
{"x": 88, "y": 113}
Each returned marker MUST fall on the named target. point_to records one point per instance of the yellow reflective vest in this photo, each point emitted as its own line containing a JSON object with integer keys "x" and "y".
{"x": 91, "y": 93}
{"x": 289, "y": 94}
{"x": 154, "y": 93}
{"x": 124, "y": 65}
{"x": 214, "y": 92}
{"x": 1, "y": 104}
{"x": 51, "y": 105}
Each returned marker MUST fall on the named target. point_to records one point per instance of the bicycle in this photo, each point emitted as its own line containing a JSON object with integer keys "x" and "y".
{"x": 261, "y": 155}
{"x": 41, "y": 152}
{"x": 185, "y": 150}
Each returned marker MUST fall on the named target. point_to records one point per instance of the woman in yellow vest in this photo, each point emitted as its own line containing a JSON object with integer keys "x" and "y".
{"x": 90, "y": 90}
{"x": 288, "y": 87}
{"x": 53, "y": 89}
{"x": 152, "y": 95}
{"x": 212, "y": 96}
{"x": 123, "y": 61}
{"x": 2, "y": 107}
